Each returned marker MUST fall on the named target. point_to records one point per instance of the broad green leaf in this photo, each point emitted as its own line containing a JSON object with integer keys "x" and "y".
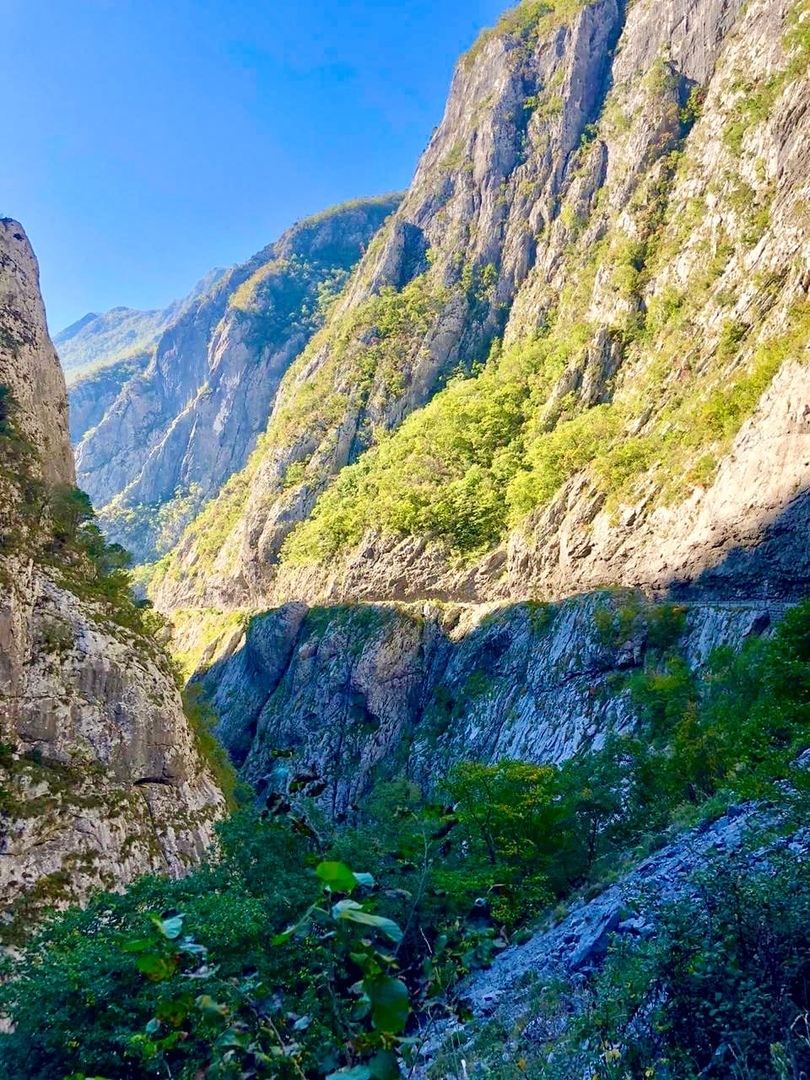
{"x": 384, "y": 1065}
{"x": 175, "y": 1010}
{"x": 155, "y": 967}
{"x": 345, "y": 905}
{"x": 240, "y": 1039}
{"x": 140, "y": 945}
{"x": 350, "y": 911}
{"x": 337, "y": 876}
{"x": 359, "y": 1072}
{"x": 207, "y": 1005}
{"x": 390, "y": 1004}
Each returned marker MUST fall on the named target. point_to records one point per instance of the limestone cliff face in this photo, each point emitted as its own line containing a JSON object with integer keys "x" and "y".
{"x": 100, "y": 775}
{"x": 93, "y": 394}
{"x": 151, "y": 454}
{"x": 620, "y": 193}
{"x": 29, "y": 368}
{"x": 605, "y": 176}
{"x": 348, "y": 695}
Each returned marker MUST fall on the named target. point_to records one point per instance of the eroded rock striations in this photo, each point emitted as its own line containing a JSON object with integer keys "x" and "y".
{"x": 158, "y": 435}
{"x": 351, "y": 695}
{"x": 619, "y": 193}
{"x": 29, "y": 368}
{"x": 100, "y": 775}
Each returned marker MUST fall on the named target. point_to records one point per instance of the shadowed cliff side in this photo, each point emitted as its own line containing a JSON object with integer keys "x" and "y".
{"x": 101, "y": 775}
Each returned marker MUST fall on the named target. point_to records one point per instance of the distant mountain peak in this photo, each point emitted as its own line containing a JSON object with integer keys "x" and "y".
{"x": 75, "y": 328}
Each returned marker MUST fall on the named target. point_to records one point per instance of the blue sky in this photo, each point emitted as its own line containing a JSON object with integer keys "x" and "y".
{"x": 147, "y": 141}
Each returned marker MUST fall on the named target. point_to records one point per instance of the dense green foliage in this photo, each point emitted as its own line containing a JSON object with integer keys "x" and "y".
{"x": 525, "y": 21}
{"x": 489, "y": 451}
{"x": 371, "y": 350}
{"x": 728, "y": 976}
{"x": 453, "y": 882}
{"x": 290, "y": 976}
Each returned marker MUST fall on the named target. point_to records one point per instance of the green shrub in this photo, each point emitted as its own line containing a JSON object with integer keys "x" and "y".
{"x": 722, "y": 989}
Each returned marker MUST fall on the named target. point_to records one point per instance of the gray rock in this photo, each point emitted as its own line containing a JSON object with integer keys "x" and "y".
{"x": 176, "y": 430}
{"x": 29, "y": 367}
{"x": 101, "y": 775}
{"x": 366, "y": 691}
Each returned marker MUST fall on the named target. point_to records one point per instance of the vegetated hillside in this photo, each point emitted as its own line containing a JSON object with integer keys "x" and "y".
{"x": 102, "y": 777}
{"x": 608, "y": 233}
{"x": 640, "y": 908}
{"x": 157, "y": 438}
{"x": 96, "y": 341}
{"x": 601, "y": 799}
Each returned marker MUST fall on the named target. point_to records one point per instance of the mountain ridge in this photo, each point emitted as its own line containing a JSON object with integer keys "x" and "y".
{"x": 99, "y": 340}
{"x": 621, "y": 263}
{"x": 161, "y": 432}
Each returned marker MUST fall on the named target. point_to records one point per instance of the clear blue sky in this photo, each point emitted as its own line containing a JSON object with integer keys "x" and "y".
{"x": 147, "y": 141}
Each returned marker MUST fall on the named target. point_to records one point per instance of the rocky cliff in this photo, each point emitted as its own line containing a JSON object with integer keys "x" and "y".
{"x": 157, "y": 438}
{"x": 29, "y": 370}
{"x": 352, "y": 695}
{"x": 97, "y": 341}
{"x": 624, "y": 214}
{"x": 101, "y": 777}
{"x": 574, "y": 360}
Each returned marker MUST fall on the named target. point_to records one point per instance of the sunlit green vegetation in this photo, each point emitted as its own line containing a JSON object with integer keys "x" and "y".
{"x": 525, "y": 21}
{"x": 489, "y": 450}
{"x": 371, "y": 350}
{"x": 265, "y": 959}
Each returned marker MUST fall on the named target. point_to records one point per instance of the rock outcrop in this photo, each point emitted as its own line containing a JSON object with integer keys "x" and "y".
{"x": 29, "y": 370}
{"x": 152, "y": 453}
{"x": 101, "y": 778}
{"x": 353, "y": 694}
{"x": 608, "y": 194}
{"x": 533, "y": 992}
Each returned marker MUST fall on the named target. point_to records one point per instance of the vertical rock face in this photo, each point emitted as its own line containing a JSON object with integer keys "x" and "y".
{"x": 619, "y": 192}
{"x": 350, "y": 695}
{"x": 100, "y": 775}
{"x": 29, "y": 367}
{"x": 152, "y": 453}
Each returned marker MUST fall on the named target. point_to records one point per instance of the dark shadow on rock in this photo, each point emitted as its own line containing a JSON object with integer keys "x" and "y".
{"x": 355, "y": 692}
{"x": 775, "y": 568}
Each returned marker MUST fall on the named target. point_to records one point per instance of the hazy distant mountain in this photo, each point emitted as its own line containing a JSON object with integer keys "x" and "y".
{"x": 96, "y": 341}
{"x": 159, "y": 430}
